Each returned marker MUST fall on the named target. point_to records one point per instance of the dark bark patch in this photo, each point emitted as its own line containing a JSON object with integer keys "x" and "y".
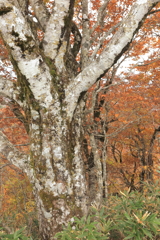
{"x": 5, "y": 10}
{"x": 47, "y": 199}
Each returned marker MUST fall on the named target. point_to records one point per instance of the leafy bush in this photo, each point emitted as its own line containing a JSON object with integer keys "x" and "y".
{"x": 136, "y": 215}
{"x": 18, "y": 235}
{"x": 93, "y": 227}
{"x": 132, "y": 215}
{"x": 18, "y": 206}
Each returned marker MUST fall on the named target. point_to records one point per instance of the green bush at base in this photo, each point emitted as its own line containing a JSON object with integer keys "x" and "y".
{"x": 134, "y": 216}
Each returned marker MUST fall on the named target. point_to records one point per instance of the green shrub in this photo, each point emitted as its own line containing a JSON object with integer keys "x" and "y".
{"x": 18, "y": 235}
{"x": 132, "y": 215}
{"x": 95, "y": 226}
{"x": 137, "y": 215}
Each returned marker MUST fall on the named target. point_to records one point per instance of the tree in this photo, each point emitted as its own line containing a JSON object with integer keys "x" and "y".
{"x": 135, "y": 105}
{"x": 57, "y": 55}
{"x": 132, "y": 157}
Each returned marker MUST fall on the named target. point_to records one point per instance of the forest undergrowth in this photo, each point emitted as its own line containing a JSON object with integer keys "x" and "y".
{"x": 125, "y": 215}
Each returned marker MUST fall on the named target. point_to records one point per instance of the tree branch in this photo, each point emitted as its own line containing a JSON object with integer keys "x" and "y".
{"x": 114, "y": 50}
{"x": 53, "y": 36}
{"x": 101, "y": 40}
{"x": 151, "y": 145}
{"x": 33, "y": 74}
{"x": 6, "y": 89}
{"x": 23, "y": 4}
{"x": 12, "y": 154}
{"x": 5, "y": 165}
{"x": 85, "y": 35}
{"x": 145, "y": 64}
{"x": 155, "y": 11}
{"x": 40, "y": 11}
{"x": 101, "y": 15}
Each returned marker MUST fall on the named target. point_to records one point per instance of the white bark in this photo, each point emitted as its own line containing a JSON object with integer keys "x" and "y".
{"x": 30, "y": 64}
{"x": 53, "y": 33}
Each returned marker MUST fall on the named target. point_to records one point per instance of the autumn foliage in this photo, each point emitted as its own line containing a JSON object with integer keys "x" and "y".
{"x": 123, "y": 112}
{"x": 16, "y": 198}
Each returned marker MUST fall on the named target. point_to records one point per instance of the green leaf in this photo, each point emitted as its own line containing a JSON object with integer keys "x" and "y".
{"x": 130, "y": 236}
{"x": 88, "y": 219}
{"x": 147, "y": 232}
{"x": 127, "y": 215}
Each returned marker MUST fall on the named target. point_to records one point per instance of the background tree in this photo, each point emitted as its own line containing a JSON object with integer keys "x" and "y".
{"x": 58, "y": 53}
{"x": 133, "y": 137}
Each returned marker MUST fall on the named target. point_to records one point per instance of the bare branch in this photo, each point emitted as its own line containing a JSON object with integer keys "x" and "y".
{"x": 101, "y": 40}
{"x": 155, "y": 11}
{"x": 5, "y": 165}
{"x": 101, "y": 15}
{"x": 145, "y": 64}
{"x": 24, "y": 6}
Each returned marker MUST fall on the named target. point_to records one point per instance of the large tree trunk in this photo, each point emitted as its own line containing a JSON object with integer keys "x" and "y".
{"x": 67, "y": 175}
{"x": 64, "y": 184}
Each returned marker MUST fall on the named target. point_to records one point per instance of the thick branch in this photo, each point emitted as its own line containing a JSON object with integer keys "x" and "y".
{"x": 33, "y": 74}
{"x": 116, "y": 47}
{"x": 54, "y": 32}
{"x": 12, "y": 154}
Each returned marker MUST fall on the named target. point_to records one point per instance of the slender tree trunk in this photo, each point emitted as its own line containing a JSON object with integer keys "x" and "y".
{"x": 149, "y": 172}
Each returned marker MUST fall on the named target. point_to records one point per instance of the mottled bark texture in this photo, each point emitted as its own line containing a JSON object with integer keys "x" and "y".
{"x": 67, "y": 175}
